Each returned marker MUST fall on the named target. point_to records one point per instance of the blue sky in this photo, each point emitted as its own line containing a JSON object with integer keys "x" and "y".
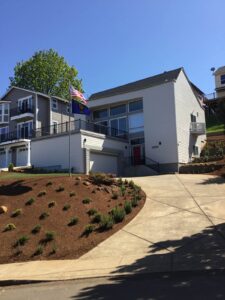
{"x": 113, "y": 42}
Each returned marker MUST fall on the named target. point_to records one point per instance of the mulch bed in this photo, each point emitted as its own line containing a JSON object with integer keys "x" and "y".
{"x": 69, "y": 243}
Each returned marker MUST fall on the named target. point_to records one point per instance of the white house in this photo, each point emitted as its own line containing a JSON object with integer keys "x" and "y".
{"x": 156, "y": 122}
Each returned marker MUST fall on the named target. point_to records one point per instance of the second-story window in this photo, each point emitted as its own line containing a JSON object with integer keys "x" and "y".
{"x": 100, "y": 114}
{"x": 135, "y": 105}
{"x": 25, "y": 104}
{"x": 222, "y": 79}
{"x": 54, "y": 104}
{"x": 193, "y": 118}
{"x": 118, "y": 110}
{"x": 4, "y": 113}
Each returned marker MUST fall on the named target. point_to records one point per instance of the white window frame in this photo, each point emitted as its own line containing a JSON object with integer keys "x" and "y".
{"x": 4, "y": 106}
{"x": 138, "y": 110}
{"x": 29, "y": 99}
{"x": 124, "y": 117}
{"x": 19, "y": 125}
{"x": 121, "y": 114}
{"x": 54, "y": 104}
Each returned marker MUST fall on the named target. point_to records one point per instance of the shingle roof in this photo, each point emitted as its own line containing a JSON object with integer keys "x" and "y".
{"x": 140, "y": 84}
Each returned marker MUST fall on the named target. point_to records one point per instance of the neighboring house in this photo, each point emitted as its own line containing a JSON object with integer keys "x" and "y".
{"x": 154, "y": 122}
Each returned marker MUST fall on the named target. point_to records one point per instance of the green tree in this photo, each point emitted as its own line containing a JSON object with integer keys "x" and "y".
{"x": 46, "y": 72}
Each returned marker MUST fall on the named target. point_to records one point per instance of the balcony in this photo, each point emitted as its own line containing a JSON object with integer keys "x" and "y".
{"x": 197, "y": 128}
{"x": 25, "y": 112}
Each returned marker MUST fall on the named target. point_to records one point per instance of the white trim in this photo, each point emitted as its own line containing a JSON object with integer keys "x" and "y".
{"x": 25, "y": 98}
{"x": 36, "y": 111}
{"x": 20, "y": 116}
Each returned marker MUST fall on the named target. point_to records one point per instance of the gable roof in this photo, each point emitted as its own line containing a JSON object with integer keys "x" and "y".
{"x": 138, "y": 85}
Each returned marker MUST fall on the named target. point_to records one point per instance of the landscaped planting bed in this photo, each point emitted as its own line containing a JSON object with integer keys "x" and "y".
{"x": 63, "y": 217}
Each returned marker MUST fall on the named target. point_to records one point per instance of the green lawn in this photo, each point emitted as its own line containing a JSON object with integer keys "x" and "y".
{"x": 15, "y": 175}
{"x": 214, "y": 125}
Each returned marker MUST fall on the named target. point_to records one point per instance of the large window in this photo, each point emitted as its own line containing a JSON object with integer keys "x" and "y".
{"x": 100, "y": 114}
{"x": 4, "y": 132}
{"x": 118, "y": 110}
{"x": 135, "y": 105}
{"x": 222, "y": 79}
{"x": 25, "y": 104}
{"x": 136, "y": 123}
{"x": 193, "y": 118}
{"x": 118, "y": 126}
{"x": 4, "y": 113}
{"x": 24, "y": 130}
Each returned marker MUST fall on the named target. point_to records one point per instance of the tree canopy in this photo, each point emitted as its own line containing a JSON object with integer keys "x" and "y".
{"x": 46, "y": 72}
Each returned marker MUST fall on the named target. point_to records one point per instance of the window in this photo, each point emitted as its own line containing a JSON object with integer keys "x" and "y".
{"x": 137, "y": 141}
{"x": 54, "y": 104}
{"x": 193, "y": 118}
{"x": 136, "y": 123}
{"x": 100, "y": 114}
{"x": 118, "y": 110}
{"x": 54, "y": 127}
{"x": 24, "y": 130}
{"x": 136, "y": 105}
{"x": 25, "y": 105}
{"x": 195, "y": 150}
{"x": 101, "y": 127}
{"x": 4, "y": 132}
{"x": 118, "y": 126}
{"x": 4, "y": 113}
{"x": 222, "y": 79}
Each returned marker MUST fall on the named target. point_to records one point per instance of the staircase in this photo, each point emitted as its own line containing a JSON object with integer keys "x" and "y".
{"x": 143, "y": 167}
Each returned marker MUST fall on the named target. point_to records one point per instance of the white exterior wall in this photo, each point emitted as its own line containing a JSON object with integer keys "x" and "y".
{"x": 186, "y": 103}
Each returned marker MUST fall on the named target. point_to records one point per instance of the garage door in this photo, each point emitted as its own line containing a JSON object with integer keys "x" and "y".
{"x": 21, "y": 159}
{"x": 103, "y": 163}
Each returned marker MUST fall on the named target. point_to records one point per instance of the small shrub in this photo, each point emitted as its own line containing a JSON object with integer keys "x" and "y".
{"x": 60, "y": 189}
{"x": 119, "y": 181}
{"x": 131, "y": 184}
{"x": 86, "y": 201}
{"x": 115, "y": 195}
{"x": 106, "y": 222}
{"x": 39, "y": 250}
{"x": 22, "y": 240}
{"x": 54, "y": 249}
{"x": 36, "y": 229}
{"x": 88, "y": 229}
{"x": 44, "y": 215}
{"x": 51, "y": 204}
{"x": 123, "y": 190}
{"x": 127, "y": 207}
{"x": 42, "y": 193}
{"x": 49, "y": 236}
{"x": 66, "y": 207}
{"x": 92, "y": 212}
{"x": 72, "y": 194}
{"x": 49, "y": 183}
{"x": 30, "y": 201}
{"x": 10, "y": 167}
{"x": 10, "y": 227}
{"x": 126, "y": 182}
{"x": 137, "y": 188}
{"x": 96, "y": 218}
{"x": 134, "y": 201}
{"x": 73, "y": 221}
{"x": 118, "y": 214}
{"x": 16, "y": 213}
{"x": 101, "y": 178}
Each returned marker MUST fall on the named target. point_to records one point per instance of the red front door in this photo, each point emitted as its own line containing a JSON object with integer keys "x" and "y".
{"x": 137, "y": 154}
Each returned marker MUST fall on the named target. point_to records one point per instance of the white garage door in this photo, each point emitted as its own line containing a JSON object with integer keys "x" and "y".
{"x": 103, "y": 163}
{"x": 2, "y": 160}
{"x": 21, "y": 159}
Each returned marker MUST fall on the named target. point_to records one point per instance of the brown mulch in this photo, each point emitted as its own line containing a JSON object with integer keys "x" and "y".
{"x": 69, "y": 242}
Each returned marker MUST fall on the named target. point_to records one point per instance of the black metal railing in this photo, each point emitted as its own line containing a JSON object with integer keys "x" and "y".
{"x": 15, "y": 135}
{"x": 21, "y": 110}
{"x": 142, "y": 160}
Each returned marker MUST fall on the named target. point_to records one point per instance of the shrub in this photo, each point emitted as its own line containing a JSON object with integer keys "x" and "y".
{"x": 16, "y": 213}
{"x": 42, "y": 193}
{"x": 119, "y": 181}
{"x": 66, "y": 207}
{"x": 86, "y": 200}
{"x": 131, "y": 184}
{"x": 10, "y": 167}
{"x": 36, "y": 229}
{"x": 60, "y": 189}
{"x": 44, "y": 215}
{"x": 10, "y": 227}
{"x": 134, "y": 201}
{"x": 101, "y": 178}
{"x": 54, "y": 249}
{"x": 127, "y": 207}
{"x": 49, "y": 183}
{"x": 39, "y": 250}
{"x": 51, "y": 204}
{"x": 92, "y": 212}
{"x": 118, "y": 214}
{"x": 73, "y": 221}
{"x": 72, "y": 194}
{"x": 88, "y": 229}
{"x": 126, "y": 182}
{"x": 30, "y": 201}
{"x": 123, "y": 189}
{"x": 49, "y": 236}
{"x": 96, "y": 218}
{"x": 115, "y": 195}
{"x": 137, "y": 188}
{"x": 22, "y": 240}
{"x": 106, "y": 222}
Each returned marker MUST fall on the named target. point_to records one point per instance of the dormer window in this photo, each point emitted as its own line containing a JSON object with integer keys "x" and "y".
{"x": 222, "y": 79}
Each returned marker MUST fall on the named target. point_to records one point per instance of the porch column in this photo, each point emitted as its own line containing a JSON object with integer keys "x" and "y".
{"x": 28, "y": 154}
{"x": 6, "y": 157}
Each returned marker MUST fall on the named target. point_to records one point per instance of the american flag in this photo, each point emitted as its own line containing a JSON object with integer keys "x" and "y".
{"x": 78, "y": 96}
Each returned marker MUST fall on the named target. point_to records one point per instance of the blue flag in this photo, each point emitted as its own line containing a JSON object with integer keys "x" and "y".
{"x": 78, "y": 108}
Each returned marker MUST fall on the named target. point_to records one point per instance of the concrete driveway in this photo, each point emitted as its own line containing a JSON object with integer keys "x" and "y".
{"x": 181, "y": 227}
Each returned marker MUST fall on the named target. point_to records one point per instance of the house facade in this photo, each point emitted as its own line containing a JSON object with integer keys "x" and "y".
{"x": 157, "y": 122}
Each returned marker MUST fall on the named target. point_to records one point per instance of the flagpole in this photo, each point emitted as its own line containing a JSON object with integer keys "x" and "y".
{"x": 69, "y": 136}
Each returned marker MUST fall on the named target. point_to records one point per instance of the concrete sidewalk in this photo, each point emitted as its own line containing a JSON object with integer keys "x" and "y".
{"x": 181, "y": 227}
